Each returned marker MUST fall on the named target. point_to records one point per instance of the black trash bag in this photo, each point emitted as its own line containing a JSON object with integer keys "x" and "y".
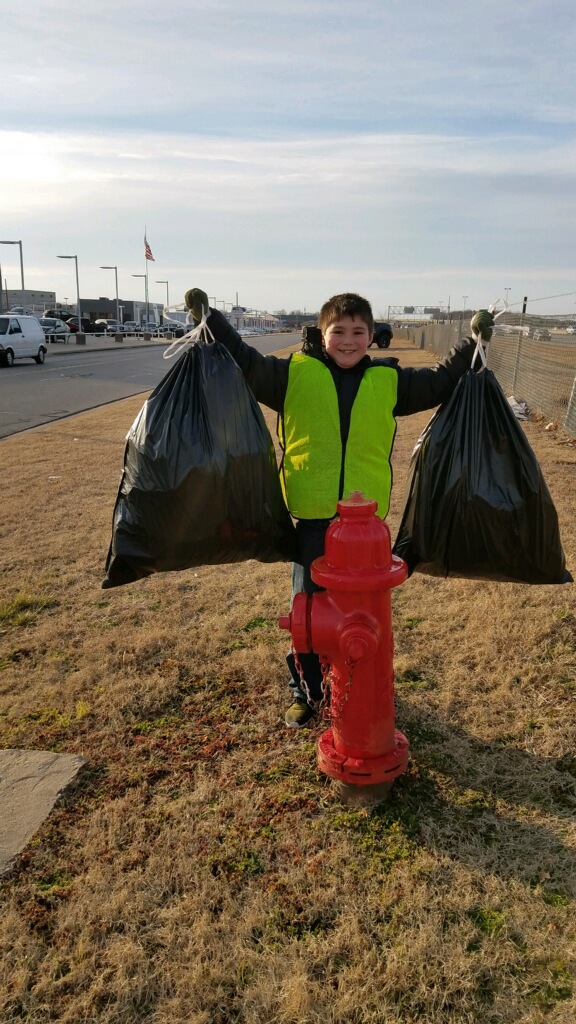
{"x": 478, "y": 506}
{"x": 200, "y": 483}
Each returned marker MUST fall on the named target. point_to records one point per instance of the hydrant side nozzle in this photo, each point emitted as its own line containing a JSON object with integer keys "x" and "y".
{"x": 359, "y": 639}
{"x": 297, "y": 623}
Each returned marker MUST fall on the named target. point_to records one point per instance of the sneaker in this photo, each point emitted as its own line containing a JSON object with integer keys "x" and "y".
{"x": 298, "y": 715}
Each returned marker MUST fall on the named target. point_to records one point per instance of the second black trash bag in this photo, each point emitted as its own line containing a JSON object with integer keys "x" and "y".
{"x": 200, "y": 483}
{"x": 478, "y": 505}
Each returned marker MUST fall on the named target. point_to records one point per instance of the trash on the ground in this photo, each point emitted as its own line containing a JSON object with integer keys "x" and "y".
{"x": 520, "y": 409}
{"x": 553, "y": 425}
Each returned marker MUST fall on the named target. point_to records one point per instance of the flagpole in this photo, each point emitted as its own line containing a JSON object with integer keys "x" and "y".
{"x": 146, "y": 280}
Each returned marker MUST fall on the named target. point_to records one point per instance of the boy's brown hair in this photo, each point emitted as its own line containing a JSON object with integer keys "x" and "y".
{"x": 347, "y": 304}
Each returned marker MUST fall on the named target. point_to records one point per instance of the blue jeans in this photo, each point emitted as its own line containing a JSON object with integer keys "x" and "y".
{"x": 310, "y": 534}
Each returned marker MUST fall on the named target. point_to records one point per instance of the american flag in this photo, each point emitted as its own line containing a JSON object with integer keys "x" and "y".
{"x": 148, "y": 251}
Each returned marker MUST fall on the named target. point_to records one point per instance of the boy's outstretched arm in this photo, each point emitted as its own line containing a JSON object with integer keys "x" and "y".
{"x": 429, "y": 386}
{"x": 266, "y": 375}
{"x": 425, "y": 388}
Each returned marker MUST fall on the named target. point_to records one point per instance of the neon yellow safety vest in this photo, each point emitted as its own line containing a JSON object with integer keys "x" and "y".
{"x": 309, "y": 432}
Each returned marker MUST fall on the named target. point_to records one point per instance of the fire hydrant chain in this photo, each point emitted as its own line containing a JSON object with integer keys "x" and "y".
{"x": 325, "y": 708}
{"x": 303, "y": 682}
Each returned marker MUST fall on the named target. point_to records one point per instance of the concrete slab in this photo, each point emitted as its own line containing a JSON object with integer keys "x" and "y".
{"x": 30, "y": 783}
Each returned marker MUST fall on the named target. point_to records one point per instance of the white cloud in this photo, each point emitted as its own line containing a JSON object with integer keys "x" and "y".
{"x": 292, "y": 143}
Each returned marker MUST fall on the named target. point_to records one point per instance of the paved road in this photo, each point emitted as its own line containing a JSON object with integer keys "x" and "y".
{"x": 74, "y": 379}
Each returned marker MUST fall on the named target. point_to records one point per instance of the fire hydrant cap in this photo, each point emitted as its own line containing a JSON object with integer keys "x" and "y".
{"x": 357, "y": 504}
{"x": 358, "y": 550}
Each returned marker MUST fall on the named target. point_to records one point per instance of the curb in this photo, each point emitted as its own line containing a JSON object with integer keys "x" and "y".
{"x": 65, "y": 348}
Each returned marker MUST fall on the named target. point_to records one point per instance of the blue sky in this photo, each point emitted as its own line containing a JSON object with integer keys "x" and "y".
{"x": 285, "y": 151}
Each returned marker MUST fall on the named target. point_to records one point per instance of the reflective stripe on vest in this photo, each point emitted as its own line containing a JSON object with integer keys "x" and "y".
{"x": 309, "y": 433}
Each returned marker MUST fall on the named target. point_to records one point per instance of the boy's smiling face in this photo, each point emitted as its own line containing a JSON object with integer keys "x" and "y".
{"x": 347, "y": 340}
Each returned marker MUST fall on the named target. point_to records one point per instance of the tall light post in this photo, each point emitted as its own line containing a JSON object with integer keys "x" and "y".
{"x": 465, "y": 300}
{"x": 21, "y": 269}
{"x": 115, "y": 269}
{"x": 507, "y": 290}
{"x": 145, "y": 290}
{"x": 75, "y": 258}
{"x": 167, "y": 294}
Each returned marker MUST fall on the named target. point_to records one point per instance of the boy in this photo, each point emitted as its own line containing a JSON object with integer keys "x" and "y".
{"x": 337, "y": 420}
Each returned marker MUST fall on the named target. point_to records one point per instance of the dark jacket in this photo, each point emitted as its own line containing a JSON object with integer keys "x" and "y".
{"x": 418, "y": 389}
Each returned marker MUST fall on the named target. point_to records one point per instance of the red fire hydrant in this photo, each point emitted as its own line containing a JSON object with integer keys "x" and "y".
{"x": 349, "y": 625}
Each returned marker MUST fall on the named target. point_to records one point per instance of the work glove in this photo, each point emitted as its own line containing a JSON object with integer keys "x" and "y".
{"x": 311, "y": 339}
{"x": 197, "y": 302}
{"x": 482, "y": 323}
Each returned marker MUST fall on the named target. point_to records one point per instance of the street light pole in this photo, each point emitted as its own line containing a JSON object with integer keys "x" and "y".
{"x": 465, "y": 298}
{"x": 115, "y": 269}
{"x": 21, "y": 270}
{"x": 506, "y": 299}
{"x": 75, "y": 258}
{"x": 145, "y": 293}
{"x": 167, "y": 295}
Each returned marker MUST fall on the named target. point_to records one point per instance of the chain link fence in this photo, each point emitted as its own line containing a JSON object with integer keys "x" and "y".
{"x": 533, "y": 364}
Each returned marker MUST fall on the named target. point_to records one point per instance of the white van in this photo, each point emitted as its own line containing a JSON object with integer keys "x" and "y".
{"x": 21, "y": 337}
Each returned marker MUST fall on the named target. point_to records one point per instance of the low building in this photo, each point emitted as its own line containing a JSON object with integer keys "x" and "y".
{"x": 32, "y": 300}
{"x": 243, "y": 319}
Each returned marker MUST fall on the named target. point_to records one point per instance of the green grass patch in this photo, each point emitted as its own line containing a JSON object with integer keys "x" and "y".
{"x": 555, "y": 899}
{"x": 557, "y": 988}
{"x": 488, "y": 921}
{"x": 387, "y": 835}
{"x": 162, "y": 725}
{"x": 258, "y": 622}
{"x": 239, "y": 865}
{"x": 241, "y": 642}
{"x": 55, "y": 882}
{"x": 274, "y": 773}
{"x": 24, "y": 608}
{"x": 412, "y": 679}
{"x": 411, "y": 623}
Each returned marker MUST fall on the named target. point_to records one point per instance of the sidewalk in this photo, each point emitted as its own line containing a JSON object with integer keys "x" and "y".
{"x": 101, "y": 342}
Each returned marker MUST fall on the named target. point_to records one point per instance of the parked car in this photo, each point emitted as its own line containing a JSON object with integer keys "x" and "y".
{"x": 60, "y": 314}
{"x": 541, "y": 334}
{"x": 21, "y": 337}
{"x": 174, "y": 329}
{"x": 108, "y": 327}
{"x": 54, "y": 329}
{"x": 87, "y": 325}
{"x": 571, "y": 330}
{"x": 131, "y": 326}
{"x": 383, "y": 335}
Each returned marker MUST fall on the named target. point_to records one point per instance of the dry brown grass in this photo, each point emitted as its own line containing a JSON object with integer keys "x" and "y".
{"x": 200, "y": 871}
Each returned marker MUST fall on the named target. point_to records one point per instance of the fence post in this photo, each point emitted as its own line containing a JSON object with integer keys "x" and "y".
{"x": 517, "y": 363}
{"x": 570, "y": 421}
